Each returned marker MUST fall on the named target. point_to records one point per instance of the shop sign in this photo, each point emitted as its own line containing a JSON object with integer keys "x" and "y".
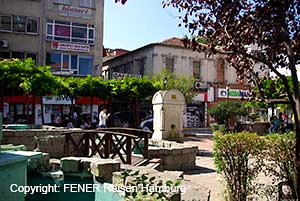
{"x": 233, "y": 93}
{"x": 70, "y": 47}
{"x": 200, "y": 97}
{"x": 57, "y": 100}
{"x": 73, "y": 11}
{"x": 117, "y": 75}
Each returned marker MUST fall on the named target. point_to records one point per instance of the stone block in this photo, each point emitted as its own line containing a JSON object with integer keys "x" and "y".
{"x": 104, "y": 168}
{"x": 54, "y": 164}
{"x": 70, "y": 164}
{"x": 187, "y": 150}
{"x": 86, "y": 163}
{"x": 176, "y": 151}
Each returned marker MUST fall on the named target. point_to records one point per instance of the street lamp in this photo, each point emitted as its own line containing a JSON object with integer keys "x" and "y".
{"x": 165, "y": 81}
{"x": 227, "y": 89}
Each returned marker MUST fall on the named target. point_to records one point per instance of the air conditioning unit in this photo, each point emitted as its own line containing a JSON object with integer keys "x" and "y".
{"x": 3, "y": 43}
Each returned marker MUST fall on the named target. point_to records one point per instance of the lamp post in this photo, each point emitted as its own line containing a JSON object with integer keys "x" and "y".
{"x": 227, "y": 89}
{"x": 165, "y": 82}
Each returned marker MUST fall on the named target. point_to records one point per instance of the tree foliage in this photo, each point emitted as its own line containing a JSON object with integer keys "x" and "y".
{"x": 257, "y": 37}
{"x": 19, "y": 77}
{"x": 181, "y": 83}
{"x": 224, "y": 110}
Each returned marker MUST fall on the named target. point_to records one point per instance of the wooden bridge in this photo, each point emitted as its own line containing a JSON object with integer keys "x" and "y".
{"x": 107, "y": 143}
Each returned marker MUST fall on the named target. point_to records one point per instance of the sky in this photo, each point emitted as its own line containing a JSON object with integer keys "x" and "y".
{"x": 138, "y": 23}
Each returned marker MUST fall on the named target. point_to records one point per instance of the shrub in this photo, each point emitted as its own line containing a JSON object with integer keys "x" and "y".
{"x": 238, "y": 156}
{"x": 137, "y": 179}
{"x": 280, "y": 152}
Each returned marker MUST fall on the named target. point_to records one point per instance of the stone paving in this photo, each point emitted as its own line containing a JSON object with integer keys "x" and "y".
{"x": 204, "y": 176}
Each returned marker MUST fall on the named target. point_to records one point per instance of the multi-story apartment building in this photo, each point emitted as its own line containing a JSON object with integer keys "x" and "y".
{"x": 217, "y": 81}
{"x": 64, "y": 34}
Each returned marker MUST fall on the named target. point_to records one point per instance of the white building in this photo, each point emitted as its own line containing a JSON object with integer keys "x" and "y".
{"x": 211, "y": 70}
{"x": 173, "y": 56}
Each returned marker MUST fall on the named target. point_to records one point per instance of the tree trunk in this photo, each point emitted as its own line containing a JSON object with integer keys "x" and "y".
{"x": 297, "y": 151}
{"x": 91, "y": 101}
{"x": 2, "y": 97}
{"x": 42, "y": 109}
{"x": 296, "y": 110}
{"x": 33, "y": 109}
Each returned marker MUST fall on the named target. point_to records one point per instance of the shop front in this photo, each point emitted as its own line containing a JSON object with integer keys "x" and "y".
{"x": 27, "y": 109}
{"x": 196, "y": 115}
{"x": 19, "y": 109}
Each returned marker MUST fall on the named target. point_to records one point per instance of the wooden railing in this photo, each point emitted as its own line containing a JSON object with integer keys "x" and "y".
{"x": 107, "y": 143}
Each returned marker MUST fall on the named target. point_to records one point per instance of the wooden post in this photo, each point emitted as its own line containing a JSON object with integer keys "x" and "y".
{"x": 86, "y": 144}
{"x": 107, "y": 145}
{"x": 128, "y": 150}
{"x": 66, "y": 145}
{"x": 146, "y": 144}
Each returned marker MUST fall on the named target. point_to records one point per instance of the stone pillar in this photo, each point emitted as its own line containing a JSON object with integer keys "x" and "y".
{"x": 168, "y": 107}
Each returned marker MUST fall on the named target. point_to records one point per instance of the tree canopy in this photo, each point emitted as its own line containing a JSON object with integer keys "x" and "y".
{"x": 182, "y": 83}
{"x": 224, "y": 110}
{"x": 257, "y": 38}
{"x": 20, "y": 77}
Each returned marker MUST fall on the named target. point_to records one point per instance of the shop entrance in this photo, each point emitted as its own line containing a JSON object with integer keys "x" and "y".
{"x": 195, "y": 115}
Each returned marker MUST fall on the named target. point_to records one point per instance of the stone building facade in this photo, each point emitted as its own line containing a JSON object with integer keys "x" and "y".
{"x": 216, "y": 80}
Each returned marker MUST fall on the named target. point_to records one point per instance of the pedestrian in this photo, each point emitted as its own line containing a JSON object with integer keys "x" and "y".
{"x": 103, "y": 117}
{"x": 275, "y": 123}
{"x": 69, "y": 123}
{"x": 86, "y": 124}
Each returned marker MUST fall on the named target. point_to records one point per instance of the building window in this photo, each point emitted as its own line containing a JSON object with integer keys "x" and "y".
{"x": 197, "y": 69}
{"x": 170, "y": 64}
{"x": 4, "y": 55}
{"x": 18, "y": 55}
{"x": 67, "y": 2}
{"x": 71, "y": 32}
{"x": 141, "y": 66}
{"x": 71, "y": 64}
{"x": 87, "y": 3}
{"x": 32, "y": 56}
{"x": 32, "y": 25}
{"x": 5, "y": 22}
{"x": 85, "y": 65}
{"x": 66, "y": 62}
{"x": 221, "y": 71}
{"x": 54, "y": 60}
{"x": 19, "y": 24}
{"x": 74, "y": 62}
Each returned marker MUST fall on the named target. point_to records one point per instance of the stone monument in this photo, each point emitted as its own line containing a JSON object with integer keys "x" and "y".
{"x": 168, "y": 108}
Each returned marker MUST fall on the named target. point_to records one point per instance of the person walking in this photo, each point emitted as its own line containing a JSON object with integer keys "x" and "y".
{"x": 103, "y": 117}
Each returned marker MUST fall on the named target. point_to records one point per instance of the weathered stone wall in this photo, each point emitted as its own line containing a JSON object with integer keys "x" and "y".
{"x": 45, "y": 140}
{"x": 257, "y": 127}
{"x": 174, "y": 156}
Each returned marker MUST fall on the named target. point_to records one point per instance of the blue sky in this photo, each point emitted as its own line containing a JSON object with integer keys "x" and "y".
{"x": 139, "y": 22}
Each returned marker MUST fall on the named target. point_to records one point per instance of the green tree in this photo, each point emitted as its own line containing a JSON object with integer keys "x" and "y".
{"x": 181, "y": 83}
{"x": 40, "y": 83}
{"x": 257, "y": 37}
{"x": 224, "y": 110}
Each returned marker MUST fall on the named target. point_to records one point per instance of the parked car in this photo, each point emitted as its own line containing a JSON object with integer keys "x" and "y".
{"x": 126, "y": 118}
{"x": 147, "y": 125}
